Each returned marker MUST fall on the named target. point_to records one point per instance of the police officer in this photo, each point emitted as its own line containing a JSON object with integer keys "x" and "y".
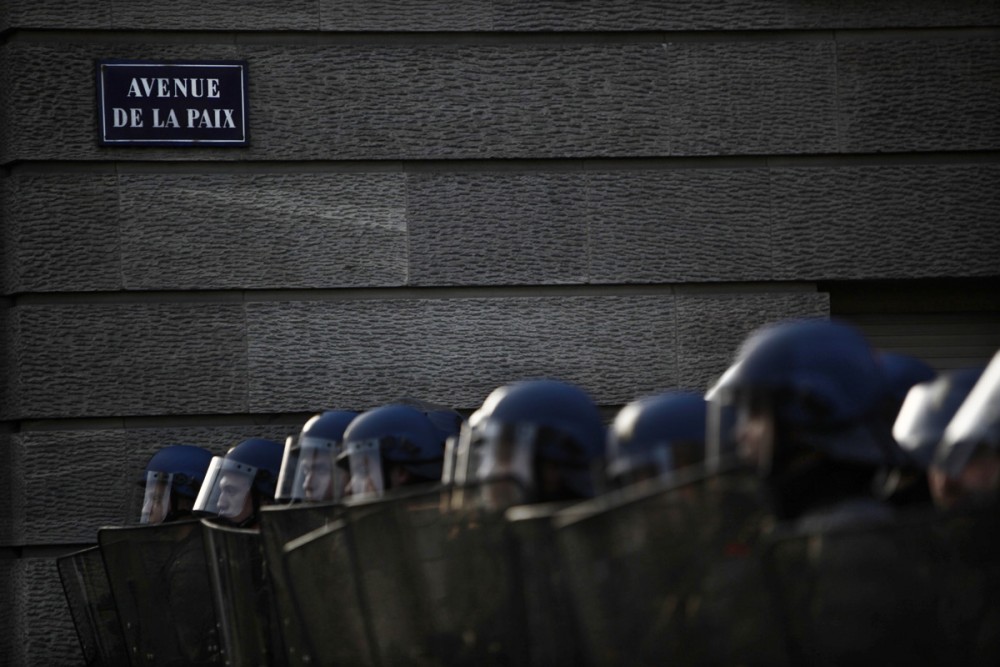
{"x": 238, "y": 483}
{"x": 654, "y": 436}
{"x": 308, "y": 470}
{"x": 809, "y": 400}
{"x": 171, "y": 482}
{"x": 533, "y": 441}
{"x": 808, "y": 396}
{"x": 389, "y": 447}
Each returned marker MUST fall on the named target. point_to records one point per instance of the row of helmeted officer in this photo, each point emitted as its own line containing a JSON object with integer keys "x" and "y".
{"x": 830, "y": 435}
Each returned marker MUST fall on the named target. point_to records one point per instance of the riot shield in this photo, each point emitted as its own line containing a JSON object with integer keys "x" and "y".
{"x": 327, "y": 596}
{"x": 553, "y": 637}
{"x": 921, "y": 590}
{"x": 481, "y": 619}
{"x": 399, "y": 563}
{"x": 88, "y": 594}
{"x": 160, "y": 583}
{"x": 665, "y": 574}
{"x": 243, "y": 599}
{"x": 279, "y": 525}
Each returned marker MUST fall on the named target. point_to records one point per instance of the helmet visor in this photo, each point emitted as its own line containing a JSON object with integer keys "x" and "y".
{"x": 498, "y": 460}
{"x": 364, "y": 468}
{"x": 740, "y": 429}
{"x": 629, "y": 469}
{"x": 156, "y": 499}
{"x": 975, "y": 428}
{"x": 226, "y": 491}
{"x": 285, "y": 490}
{"x": 317, "y": 477}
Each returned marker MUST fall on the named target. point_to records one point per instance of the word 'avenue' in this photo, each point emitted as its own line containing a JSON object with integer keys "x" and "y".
{"x": 167, "y": 87}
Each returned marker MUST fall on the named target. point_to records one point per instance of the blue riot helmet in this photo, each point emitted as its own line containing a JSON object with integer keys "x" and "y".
{"x": 654, "y": 436}
{"x": 543, "y": 436}
{"x": 309, "y": 471}
{"x": 391, "y": 446}
{"x": 238, "y": 483}
{"x": 965, "y": 469}
{"x": 808, "y": 397}
{"x": 171, "y": 482}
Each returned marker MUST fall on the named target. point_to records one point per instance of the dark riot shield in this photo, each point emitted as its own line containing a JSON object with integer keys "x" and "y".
{"x": 279, "y": 525}
{"x": 921, "y": 590}
{"x": 92, "y": 607}
{"x": 397, "y": 540}
{"x": 159, "y": 580}
{"x": 327, "y": 596}
{"x": 481, "y": 618}
{"x": 500, "y": 586}
{"x": 247, "y": 615}
{"x": 667, "y": 574}
{"x": 553, "y": 637}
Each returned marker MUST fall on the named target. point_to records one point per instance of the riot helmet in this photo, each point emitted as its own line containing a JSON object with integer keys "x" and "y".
{"x": 654, "y": 436}
{"x": 965, "y": 470}
{"x": 309, "y": 471}
{"x": 171, "y": 482}
{"x": 238, "y": 483}
{"x": 541, "y": 438}
{"x": 388, "y": 447}
{"x": 808, "y": 398}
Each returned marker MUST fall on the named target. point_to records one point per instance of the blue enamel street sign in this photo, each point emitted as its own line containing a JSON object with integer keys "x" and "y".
{"x": 172, "y": 103}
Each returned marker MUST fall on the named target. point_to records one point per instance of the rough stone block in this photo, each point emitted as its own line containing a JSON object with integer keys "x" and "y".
{"x": 679, "y": 226}
{"x": 60, "y": 232}
{"x": 357, "y": 354}
{"x": 229, "y": 15}
{"x": 515, "y": 100}
{"x": 247, "y": 231}
{"x": 498, "y": 228}
{"x": 129, "y": 359}
{"x": 885, "y": 222}
{"x": 39, "y": 629}
{"x": 404, "y": 16}
{"x": 919, "y": 95}
{"x": 737, "y": 15}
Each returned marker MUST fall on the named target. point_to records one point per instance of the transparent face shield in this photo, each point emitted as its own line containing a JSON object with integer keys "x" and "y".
{"x": 626, "y": 470}
{"x": 317, "y": 476}
{"x": 740, "y": 431}
{"x": 285, "y": 490}
{"x": 226, "y": 491}
{"x": 156, "y": 498}
{"x": 498, "y": 460}
{"x": 364, "y": 468}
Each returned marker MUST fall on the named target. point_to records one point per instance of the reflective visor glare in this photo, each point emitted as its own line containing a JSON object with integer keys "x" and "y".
{"x": 975, "y": 425}
{"x": 365, "y": 465}
{"x": 156, "y": 499}
{"x": 285, "y": 489}
{"x": 720, "y": 433}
